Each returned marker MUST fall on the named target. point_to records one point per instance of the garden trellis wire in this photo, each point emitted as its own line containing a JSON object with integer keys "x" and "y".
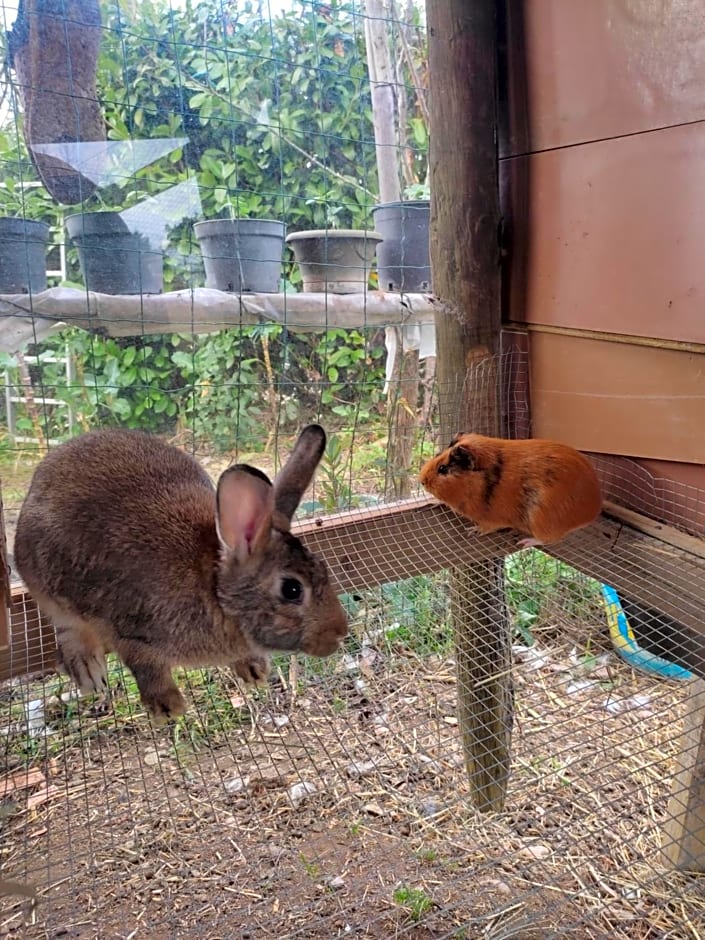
{"x": 336, "y": 800}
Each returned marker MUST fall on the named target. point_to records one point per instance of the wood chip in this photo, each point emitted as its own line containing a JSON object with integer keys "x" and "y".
{"x": 20, "y": 780}
{"x": 42, "y": 796}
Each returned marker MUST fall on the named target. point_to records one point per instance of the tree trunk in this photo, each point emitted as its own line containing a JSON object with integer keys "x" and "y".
{"x": 465, "y": 264}
{"x": 403, "y": 394}
{"x": 384, "y": 113}
{"x": 404, "y": 387}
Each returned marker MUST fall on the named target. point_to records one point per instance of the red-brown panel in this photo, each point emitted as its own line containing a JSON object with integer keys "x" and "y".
{"x": 592, "y": 69}
{"x": 610, "y": 236}
{"x": 618, "y": 398}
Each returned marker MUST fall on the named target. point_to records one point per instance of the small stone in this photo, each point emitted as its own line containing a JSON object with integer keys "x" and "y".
{"x": 151, "y": 758}
{"x": 537, "y": 850}
{"x": 336, "y": 883}
{"x": 236, "y": 784}
{"x": 360, "y": 768}
{"x": 300, "y": 791}
{"x": 373, "y": 809}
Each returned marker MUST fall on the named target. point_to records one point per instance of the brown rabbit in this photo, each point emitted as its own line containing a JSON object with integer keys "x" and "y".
{"x": 542, "y": 488}
{"x": 126, "y": 544}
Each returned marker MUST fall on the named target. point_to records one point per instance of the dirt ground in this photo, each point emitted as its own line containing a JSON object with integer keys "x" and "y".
{"x": 343, "y": 809}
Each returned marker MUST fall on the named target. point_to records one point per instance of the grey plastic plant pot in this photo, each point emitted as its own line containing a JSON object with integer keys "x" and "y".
{"x": 113, "y": 259}
{"x": 335, "y": 260}
{"x": 242, "y": 254}
{"x": 403, "y": 258}
{"x": 23, "y": 256}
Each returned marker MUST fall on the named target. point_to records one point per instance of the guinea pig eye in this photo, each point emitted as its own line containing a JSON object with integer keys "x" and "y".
{"x": 443, "y": 469}
{"x": 291, "y": 591}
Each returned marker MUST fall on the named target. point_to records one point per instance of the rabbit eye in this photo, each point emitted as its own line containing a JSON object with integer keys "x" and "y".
{"x": 443, "y": 469}
{"x": 291, "y": 591}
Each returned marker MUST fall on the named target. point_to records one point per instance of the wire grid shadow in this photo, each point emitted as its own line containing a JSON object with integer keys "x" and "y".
{"x": 336, "y": 800}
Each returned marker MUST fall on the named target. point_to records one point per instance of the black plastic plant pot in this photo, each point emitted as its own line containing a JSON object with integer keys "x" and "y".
{"x": 242, "y": 254}
{"x": 23, "y": 256}
{"x": 335, "y": 260}
{"x": 113, "y": 259}
{"x": 403, "y": 258}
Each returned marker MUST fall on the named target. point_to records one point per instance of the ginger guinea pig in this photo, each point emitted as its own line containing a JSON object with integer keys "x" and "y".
{"x": 542, "y": 488}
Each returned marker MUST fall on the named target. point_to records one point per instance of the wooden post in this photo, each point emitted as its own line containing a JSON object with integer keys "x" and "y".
{"x": 5, "y": 600}
{"x": 684, "y": 835}
{"x": 462, "y": 45}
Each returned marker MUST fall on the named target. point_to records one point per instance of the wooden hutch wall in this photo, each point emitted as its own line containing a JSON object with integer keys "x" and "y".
{"x": 602, "y": 158}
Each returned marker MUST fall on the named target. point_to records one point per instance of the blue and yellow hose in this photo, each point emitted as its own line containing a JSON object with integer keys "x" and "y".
{"x": 625, "y": 643}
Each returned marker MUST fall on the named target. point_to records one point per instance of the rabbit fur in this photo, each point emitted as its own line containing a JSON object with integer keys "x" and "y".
{"x": 127, "y": 546}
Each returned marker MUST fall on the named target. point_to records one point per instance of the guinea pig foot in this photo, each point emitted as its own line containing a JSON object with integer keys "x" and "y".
{"x": 253, "y": 669}
{"x": 529, "y": 543}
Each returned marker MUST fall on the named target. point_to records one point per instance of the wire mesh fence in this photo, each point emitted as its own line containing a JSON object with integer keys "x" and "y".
{"x": 341, "y": 798}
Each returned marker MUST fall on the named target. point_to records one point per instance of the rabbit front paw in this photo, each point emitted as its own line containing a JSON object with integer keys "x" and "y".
{"x": 158, "y": 690}
{"x": 87, "y": 668}
{"x": 164, "y": 703}
{"x": 253, "y": 668}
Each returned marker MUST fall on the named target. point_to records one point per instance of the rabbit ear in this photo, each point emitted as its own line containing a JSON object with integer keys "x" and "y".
{"x": 244, "y": 506}
{"x": 297, "y": 472}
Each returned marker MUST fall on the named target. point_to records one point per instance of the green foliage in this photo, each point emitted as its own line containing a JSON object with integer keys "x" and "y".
{"x": 220, "y": 386}
{"x": 418, "y": 614}
{"x": 415, "y": 901}
{"x": 262, "y": 101}
{"x": 223, "y": 377}
{"x": 333, "y": 482}
{"x": 532, "y": 578}
{"x": 277, "y": 114}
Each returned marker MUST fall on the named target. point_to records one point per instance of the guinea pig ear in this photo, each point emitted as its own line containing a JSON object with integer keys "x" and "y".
{"x": 456, "y": 439}
{"x": 461, "y": 458}
{"x": 244, "y": 507}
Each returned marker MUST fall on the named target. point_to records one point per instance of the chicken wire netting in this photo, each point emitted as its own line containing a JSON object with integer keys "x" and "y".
{"x": 336, "y": 800}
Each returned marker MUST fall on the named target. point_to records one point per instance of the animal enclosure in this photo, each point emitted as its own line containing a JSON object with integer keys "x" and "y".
{"x": 431, "y": 779}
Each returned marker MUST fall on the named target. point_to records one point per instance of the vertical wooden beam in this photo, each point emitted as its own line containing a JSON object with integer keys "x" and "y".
{"x": 465, "y": 215}
{"x": 5, "y": 600}
{"x": 462, "y": 46}
{"x": 684, "y": 835}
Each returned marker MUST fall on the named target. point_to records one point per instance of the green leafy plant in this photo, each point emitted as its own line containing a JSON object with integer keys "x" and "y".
{"x": 283, "y": 131}
{"x": 415, "y": 901}
{"x": 533, "y": 577}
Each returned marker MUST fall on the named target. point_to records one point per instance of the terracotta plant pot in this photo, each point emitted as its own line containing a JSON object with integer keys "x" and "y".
{"x": 335, "y": 260}
{"x": 242, "y": 254}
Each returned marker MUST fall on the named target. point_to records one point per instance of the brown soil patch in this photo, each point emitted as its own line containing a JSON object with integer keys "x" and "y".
{"x": 193, "y": 831}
